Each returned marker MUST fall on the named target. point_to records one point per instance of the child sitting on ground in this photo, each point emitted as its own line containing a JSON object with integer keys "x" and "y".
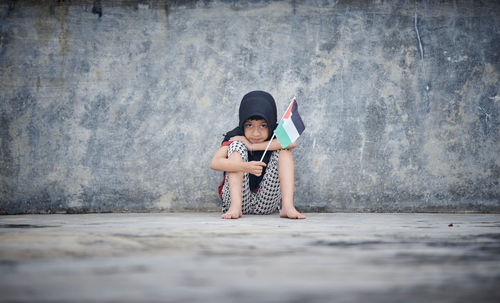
{"x": 251, "y": 186}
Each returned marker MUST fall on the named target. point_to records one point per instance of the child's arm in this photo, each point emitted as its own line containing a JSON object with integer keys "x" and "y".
{"x": 222, "y": 163}
{"x": 275, "y": 145}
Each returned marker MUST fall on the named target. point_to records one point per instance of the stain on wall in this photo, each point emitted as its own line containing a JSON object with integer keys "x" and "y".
{"x": 119, "y": 105}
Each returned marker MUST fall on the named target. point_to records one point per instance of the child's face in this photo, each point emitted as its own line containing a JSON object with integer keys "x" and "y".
{"x": 256, "y": 131}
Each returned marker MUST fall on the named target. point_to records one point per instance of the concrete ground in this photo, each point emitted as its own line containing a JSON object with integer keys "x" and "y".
{"x": 197, "y": 257}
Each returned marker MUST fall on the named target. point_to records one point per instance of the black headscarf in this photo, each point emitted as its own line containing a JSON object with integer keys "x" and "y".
{"x": 261, "y": 104}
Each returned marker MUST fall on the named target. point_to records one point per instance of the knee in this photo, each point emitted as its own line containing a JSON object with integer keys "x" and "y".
{"x": 237, "y": 145}
{"x": 285, "y": 155}
{"x": 233, "y": 177}
{"x": 241, "y": 149}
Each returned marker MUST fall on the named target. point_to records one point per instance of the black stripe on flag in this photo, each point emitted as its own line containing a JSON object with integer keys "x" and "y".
{"x": 296, "y": 119}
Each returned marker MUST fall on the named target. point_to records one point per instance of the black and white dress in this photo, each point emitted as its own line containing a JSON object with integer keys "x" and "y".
{"x": 265, "y": 199}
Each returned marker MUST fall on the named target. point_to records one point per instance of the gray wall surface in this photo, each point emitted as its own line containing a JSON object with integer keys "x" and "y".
{"x": 120, "y": 105}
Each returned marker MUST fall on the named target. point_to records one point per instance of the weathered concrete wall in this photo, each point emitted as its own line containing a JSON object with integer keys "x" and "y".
{"x": 120, "y": 105}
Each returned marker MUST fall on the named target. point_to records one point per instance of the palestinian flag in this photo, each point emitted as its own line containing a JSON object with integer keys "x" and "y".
{"x": 290, "y": 127}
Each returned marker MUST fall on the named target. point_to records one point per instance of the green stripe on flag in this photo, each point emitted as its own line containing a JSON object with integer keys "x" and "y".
{"x": 282, "y": 136}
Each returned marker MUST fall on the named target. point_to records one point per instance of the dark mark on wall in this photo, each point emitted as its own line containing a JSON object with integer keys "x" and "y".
{"x": 12, "y": 4}
{"x": 167, "y": 9}
{"x": 4, "y": 40}
{"x": 97, "y": 8}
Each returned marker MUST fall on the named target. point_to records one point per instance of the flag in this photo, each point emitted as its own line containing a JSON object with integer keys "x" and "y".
{"x": 290, "y": 127}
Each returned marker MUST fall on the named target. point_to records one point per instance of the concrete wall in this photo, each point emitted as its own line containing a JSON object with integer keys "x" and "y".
{"x": 120, "y": 105}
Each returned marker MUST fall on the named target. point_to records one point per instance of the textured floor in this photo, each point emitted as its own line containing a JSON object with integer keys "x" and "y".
{"x": 197, "y": 257}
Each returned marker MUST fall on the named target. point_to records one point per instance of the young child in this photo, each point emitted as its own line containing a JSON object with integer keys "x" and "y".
{"x": 251, "y": 186}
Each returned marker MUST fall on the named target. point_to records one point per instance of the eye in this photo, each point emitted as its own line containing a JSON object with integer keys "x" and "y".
{"x": 263, "y": 126}
{"x": 248, "y": 125}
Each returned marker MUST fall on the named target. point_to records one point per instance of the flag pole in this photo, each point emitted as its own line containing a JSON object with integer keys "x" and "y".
{"x": 267, "y": 147}
{"x": 271, "y": 140}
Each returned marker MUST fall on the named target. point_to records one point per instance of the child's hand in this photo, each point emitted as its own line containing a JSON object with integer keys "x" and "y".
{"x": 242, "y": 139}
{"x": 255, "y": 167}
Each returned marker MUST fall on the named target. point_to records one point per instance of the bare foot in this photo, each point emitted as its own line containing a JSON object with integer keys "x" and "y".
{"x": 291, "y": 213}
{"x": 231, "y": 214}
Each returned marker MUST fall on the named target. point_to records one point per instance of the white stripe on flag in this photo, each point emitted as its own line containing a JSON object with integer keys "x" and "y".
{"x": 290, "y": 129}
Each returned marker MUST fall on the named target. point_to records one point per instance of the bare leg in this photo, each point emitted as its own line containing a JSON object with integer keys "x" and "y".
{"x": 286, "y": 176}
{"x": 235, "y": 180}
